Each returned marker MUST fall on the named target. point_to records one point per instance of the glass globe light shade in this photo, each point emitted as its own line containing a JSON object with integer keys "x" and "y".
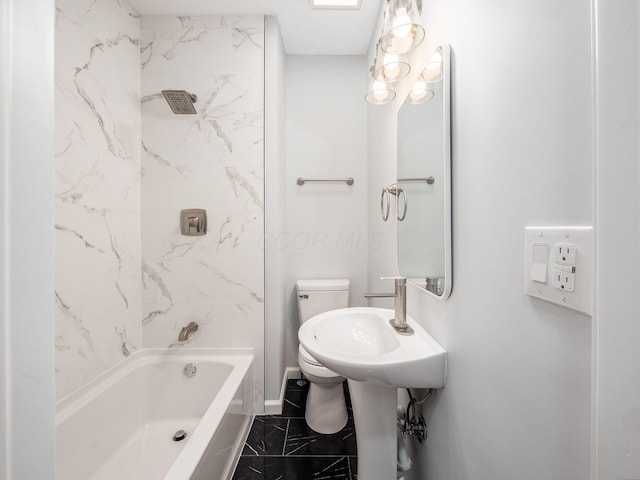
{"x": 420, "y": 93}
{"x": 379, "y": 93}
{"x": 390, "y": 67}
{"x": 433, "y": 71}
{"x": 402, "y": 31}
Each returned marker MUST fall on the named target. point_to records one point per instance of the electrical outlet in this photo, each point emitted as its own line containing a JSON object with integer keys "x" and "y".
{"x": 564, "y": 278}
{"x": 566, "y": 254}
{"x": 558, "y": 265}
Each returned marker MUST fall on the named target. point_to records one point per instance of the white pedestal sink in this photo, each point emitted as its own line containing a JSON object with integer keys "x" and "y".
{"x": 360, "y": 344}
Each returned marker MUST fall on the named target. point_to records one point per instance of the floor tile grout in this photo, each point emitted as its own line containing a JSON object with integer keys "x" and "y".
{"x": 286, "y": 434}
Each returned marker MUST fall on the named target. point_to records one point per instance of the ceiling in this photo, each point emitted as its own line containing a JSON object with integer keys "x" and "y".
{"x": 305, "y": 31}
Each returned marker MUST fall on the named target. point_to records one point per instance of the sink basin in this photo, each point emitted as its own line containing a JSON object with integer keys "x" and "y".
{"x": 376, "y": 359}
{"x": 360, "y": 344}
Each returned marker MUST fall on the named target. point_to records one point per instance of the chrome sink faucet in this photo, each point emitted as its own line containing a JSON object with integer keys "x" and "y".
{"x": 400, "y": 295}
{"x": 187, "y": 331}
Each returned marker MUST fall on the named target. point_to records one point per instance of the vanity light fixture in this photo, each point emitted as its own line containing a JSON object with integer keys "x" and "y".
{"x": 390, "y": 67}
{"x": 402, "y": 31}
{"x": 422, "y": 90}
{"x": 420, "y": 93}
{"x": 379, "y": 92}
{"x": 433, "y": 71}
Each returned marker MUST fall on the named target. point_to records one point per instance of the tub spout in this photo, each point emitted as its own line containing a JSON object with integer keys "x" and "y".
{"x": 187, "y": 331}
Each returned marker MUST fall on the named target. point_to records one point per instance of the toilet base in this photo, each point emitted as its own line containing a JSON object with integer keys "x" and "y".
{"x": 326, "y": 410}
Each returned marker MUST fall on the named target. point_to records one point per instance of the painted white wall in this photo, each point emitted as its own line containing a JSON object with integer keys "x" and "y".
{"x": 325, "y": 226}
{"x": 26, "y": 240}
{"x": 517, "y": 403}
{"x": 275, "y": 286}
{"x": 618, "y": 213}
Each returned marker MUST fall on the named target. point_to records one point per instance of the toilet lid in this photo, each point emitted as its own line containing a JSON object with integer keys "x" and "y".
{"x": 307, "y": 357}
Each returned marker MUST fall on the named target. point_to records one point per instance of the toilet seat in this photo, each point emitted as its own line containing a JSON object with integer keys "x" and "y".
{"x": 308, "y": 357}
{"x": 310, "y": 366}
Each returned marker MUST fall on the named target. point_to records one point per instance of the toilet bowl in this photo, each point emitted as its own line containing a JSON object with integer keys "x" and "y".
{"x": 326, "y": 409}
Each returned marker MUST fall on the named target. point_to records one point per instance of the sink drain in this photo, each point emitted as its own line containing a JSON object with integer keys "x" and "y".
{"x": 179, "y": 435}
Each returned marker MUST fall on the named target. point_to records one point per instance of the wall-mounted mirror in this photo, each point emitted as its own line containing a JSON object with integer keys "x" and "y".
{"x": 424, "y": 172}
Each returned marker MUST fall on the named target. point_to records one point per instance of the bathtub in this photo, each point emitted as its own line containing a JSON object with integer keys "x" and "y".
{"x": 121, "y": 425}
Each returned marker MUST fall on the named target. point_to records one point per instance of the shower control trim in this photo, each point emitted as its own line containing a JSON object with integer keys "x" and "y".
{"x": 193, "y": 222}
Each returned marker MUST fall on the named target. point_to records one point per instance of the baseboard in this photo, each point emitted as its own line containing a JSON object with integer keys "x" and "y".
{"x": 274, "y": 407}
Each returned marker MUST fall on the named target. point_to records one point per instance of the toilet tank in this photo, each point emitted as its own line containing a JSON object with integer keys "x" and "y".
{"x": 318, "y": 296}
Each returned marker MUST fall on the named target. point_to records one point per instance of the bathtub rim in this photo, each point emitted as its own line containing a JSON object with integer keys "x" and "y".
{"x": 66, "y": 406}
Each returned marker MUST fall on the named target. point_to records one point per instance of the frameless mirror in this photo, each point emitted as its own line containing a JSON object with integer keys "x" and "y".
{"x": 424, "y": 176}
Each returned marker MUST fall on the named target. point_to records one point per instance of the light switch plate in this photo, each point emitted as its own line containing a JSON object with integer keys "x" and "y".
{"x": 575, "y": 294}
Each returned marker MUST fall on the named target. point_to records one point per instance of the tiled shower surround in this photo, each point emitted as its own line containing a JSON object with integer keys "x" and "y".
{"x": 211, "y": 160}
{"x": 97, "y": 189}
{"x": 125, "y": 167}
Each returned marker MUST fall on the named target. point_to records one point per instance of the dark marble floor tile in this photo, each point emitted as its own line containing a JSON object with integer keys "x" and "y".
{"x": 353, "y": 463}
{"x": 292, "y": 384}
{"x": 266, "y": 436}
{"x": 308, "y": 455}
{"x": 250, "y": 468}
{"x": 295, "y": 401}
{"x": 307, "y": 468}
{"x": 301, "y": 440}
{"x": 347, "y": 396}
{"x": 347, "y": 399}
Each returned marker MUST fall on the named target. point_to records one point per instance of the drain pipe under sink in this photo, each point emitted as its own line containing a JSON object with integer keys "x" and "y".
{"x": 404, "y": 461}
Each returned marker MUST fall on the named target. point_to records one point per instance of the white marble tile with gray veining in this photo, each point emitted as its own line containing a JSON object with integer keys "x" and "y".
{"x": 211, "y": 160}
{"x": 97, "y": 189}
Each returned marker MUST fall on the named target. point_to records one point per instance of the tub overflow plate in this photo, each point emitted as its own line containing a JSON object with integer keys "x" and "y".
{"x": 179, "y": 435}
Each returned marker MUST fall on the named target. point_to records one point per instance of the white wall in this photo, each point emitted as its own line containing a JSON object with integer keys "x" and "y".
{"x": 26, "y": 240}
{"x": 212, "y": 160}
{"x": 325, "y": 225}
{"x": 97, "y": 189}
{"x": 517, "y": 403}
{"x": 618, "y": 214}
{"x": 275, "y": 281}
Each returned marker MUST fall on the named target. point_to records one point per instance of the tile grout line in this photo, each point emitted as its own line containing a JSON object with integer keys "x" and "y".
{"x": 286, "y": 434}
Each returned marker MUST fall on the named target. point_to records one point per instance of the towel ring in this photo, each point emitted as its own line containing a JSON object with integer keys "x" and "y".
{"x": 405, "y": 202}
{"x": 385, "y": 206}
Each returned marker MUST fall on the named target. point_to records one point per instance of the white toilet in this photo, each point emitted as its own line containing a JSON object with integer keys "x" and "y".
{"x": 326, "y": 410}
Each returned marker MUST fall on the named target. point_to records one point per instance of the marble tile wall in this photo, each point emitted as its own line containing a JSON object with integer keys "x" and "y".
{"x": 97, "y": 188}
{"x": 125, "y": 276}
{"x": 212, "y": 160}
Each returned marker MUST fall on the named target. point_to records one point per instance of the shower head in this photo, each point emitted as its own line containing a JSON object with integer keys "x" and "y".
{"x": 180, "y": 101}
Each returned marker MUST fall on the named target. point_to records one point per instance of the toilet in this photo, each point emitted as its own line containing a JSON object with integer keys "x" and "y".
{"x": 326, "y": 410}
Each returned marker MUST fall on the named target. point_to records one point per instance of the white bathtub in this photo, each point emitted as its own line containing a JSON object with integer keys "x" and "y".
{"x": 120, "y": 426}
